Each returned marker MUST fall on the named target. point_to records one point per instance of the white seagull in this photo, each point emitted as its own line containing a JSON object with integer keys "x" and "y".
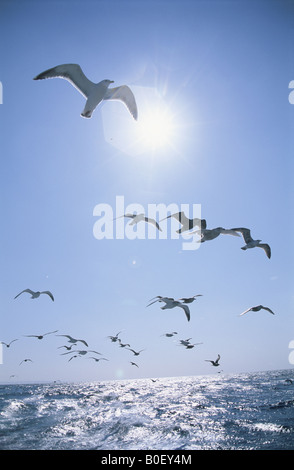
{"x": 256, "y": 309}
{"x": 35, "y": 295}
{"x": 73, "y": 340}
{"x": 211, "y": 234}
{"x": 216, "y": 362}
{"x": 93, "y": 92}
{"x": 171, "y": 303}
{"x": 141, "y": 218}
{"x": 250, "y": 243}
{"x": 187, "y": 224}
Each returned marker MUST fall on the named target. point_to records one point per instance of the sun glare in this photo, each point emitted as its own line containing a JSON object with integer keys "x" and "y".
{"x": 155, "y": 128}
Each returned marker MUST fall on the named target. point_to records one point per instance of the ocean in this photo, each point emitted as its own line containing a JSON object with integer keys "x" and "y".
{"x": 251, "y": 411}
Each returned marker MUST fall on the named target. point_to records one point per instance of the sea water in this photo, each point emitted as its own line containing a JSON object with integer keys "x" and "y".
{"x": 229, "y": 412}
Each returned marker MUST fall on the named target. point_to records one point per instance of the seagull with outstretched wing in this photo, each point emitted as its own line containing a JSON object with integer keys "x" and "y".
{"x": 93, "y": 92}
{"x": 36, "y": 294}
{"x": 256, "y": 309}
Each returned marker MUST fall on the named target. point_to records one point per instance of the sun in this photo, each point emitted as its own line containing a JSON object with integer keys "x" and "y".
{"x": 155, "y": 128}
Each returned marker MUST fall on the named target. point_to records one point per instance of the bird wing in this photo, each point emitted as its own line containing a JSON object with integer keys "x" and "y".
{"x": 268, "y": 309}
{"x": 90, "y": 350}
{"x": 26, "y": 290}
{"x": 266, "y": 248}
{"x": 248, "y": 310}
{"x": 48, "y": 293}
{"x": 229, "y": 231}
{"x": 71, "y": 72}
{"x": 186, "y": 309}
{"x": 50, "y": 332}
{"x": 245, "y": 233}
{"x": 218, "y": 358}
{"x": 153, "y": 222}
{"x": 123, "y": 93}
{"x": 82, "y": 341}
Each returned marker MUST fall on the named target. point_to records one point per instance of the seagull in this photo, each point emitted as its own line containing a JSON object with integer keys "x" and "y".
{"x": 171, "y": 303}
{"x": 190, "y": 346}
{"x": 98, "y": 359}
{"x": 159, "y": 298}
{"x": 141, "y": 218}
{"x": 185, "y": 342}
{"x": 93, "y": 92}
{"x": 189, "y": 300}
{"x": 215, "y": 363}
{"x": 250, "y": 243}
{"x": 40, "y": 336}
{"x": 73, "y": 340}
{"x": 187, "y": 224}
{"x": 35, "y": 295}
{"x": 114, "y": 338}
{"x": 123, "y": 345}
{"x": 211, "y": 234}
{"x": 66, "y": 347}
{"x": 8, "y": 344}
{"x": 134, "y": 364}
{"x": 169, "y": 335}
{"x": 256, "y": 309}
{"x": 136, "y": 353}
{"x": 25, "y": 360}
{"x": 81, "y": 352}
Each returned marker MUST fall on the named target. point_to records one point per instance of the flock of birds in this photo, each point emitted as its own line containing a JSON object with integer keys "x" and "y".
{"x": 95, "y": 93}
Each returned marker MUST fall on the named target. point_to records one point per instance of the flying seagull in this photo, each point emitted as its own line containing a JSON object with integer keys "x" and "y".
{"x": 141, "y": 218}
{"x": 40, "y": 336}
{"x": 73, "y": 340}
{"x": 169, "y": 335}
{"x": 81, "y": 352}
{"x": 123, "y": 345}
{"x": 216, "y": 362}
{"x": 211, "y": 234}
{"x": 185, "y": 342}
{"x": 25, "y": 360}
{"x": 187, "y": 224}
{"x": 189, "y": 300}
{"x": 66, "y": 347}
{"x": 250, "y": 243}
{"x": 256, "y": 309}
{"x": 8, "y": 344}
{"x": 114, "y": 338}
{"x": 190, "y": 346}
{"x": 134, "y": 364}
{"x": 171, "y": 303}
{"x": 35, "y": 295}
{"x": 93, "y": 92}
{"x": 98, "y": 359}
{"x": 136, "y": 353}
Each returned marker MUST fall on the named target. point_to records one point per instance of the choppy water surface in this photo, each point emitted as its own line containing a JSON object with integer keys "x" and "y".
{"x": 246, "y": 411}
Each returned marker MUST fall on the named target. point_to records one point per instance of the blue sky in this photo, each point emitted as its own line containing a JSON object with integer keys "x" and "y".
{"x": 222, "y": 70}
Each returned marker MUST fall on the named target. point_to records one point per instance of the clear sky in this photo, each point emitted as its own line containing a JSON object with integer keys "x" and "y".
{"x": 218, "y": 72}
